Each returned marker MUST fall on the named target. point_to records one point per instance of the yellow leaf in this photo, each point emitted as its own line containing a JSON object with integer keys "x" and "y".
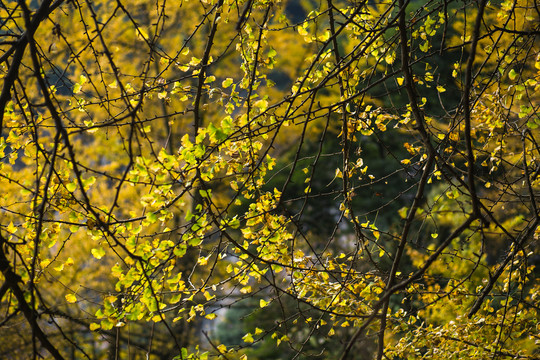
{"x": 71, "y": 298}
{"x": 141, "y": 34}
{"x": 71, "y": 187}
{"x": 207, "y": 296}
{"x": 11, "y": 228}
{"x": 98, "y": 253}
{"x": 227, "y": 82}
{"x": 248, "y": 338}
{"x": 59, "y": 267}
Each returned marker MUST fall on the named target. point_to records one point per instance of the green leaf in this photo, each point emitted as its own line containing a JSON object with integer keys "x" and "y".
{"x": 151, "y": 217}
{"x": 205, "y": 193}
{"x": 78, "y": 86}
{"x": 532, "y": 125}
{"x": 180, "y": 250}
{"x": 196, "y": 241}
{"x": 106, "y": 324}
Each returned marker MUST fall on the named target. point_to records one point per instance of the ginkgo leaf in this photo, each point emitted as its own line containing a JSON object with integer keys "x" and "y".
{"x": 248, "y": 338}
{"x": 227, "y": 82}
{"x": 59, "y": 268}
{"x": 98, "y": 253}
{"x": 71, "y": 187}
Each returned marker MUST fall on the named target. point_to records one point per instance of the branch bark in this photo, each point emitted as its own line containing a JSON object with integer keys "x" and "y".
{"x": 12, "y": 281}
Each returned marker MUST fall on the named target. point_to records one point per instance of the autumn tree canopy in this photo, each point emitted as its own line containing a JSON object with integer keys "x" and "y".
{"x": 255, "y": 179}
